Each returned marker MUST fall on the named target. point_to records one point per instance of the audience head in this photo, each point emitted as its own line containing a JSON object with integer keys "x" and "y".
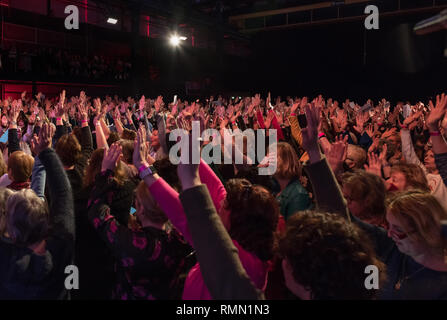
{"x": 20, "y": 166}
{"x": 253, "y": 217}
{"x": 68, "y": 149}
{"x": 129, "y": 134}
{"x": 288, "y": 165}
{"x": 356, "y": 157}
{"x": 324, "y": 257}
{"x": 414, "y": 219}
{"x": 27, "y": 218}
{"x": 406, "y": 176}
{"x": 365, "y": 194}
{"x": 94, "y": 168}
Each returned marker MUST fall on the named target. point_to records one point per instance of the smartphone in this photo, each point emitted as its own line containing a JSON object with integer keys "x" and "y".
{"x": 175, "y": 100}
{"x": 302, "y": 120}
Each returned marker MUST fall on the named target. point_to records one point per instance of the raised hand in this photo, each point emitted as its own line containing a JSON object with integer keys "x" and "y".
{"x": 16, "y": 107}
{"x": 158, "y": 103}
{"x": 370, "y": 131}
{"x": 188, "y": 172}
{"x": 256, "y": 100}
{"x": 437, "y": 112}
{"x": 111, "y": 157}
{"x": 375, "y": 165}
{"x": 310, "y": 134}
{"x": 389, "y": 133}
{"x": 141, "y": 156}
{"x": 337, "y": 154}
{"x": 295, "y": 106}
{"x": 129, "y": 115}
{"x": 235, "y": 116}
{"x": 83, "y": 111}
{"x": 62, "y": 98}
{"x": 43, "y": 142}
{"x": 360, "y": 122}
{"x": 83, "y": 98}
{"x": 97, "y": 105}
{"x": 142, "y": 103}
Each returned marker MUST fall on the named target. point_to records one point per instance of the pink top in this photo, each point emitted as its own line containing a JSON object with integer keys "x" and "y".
{"x": 168, "y": 200}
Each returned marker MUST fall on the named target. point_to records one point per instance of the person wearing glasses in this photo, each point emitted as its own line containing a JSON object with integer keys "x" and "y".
{"x": 414, "y": 249}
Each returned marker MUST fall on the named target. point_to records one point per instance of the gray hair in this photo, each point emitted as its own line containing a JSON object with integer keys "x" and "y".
{"x": 27, "y": 218}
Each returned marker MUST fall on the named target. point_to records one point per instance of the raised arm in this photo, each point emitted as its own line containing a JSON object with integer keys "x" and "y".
{"x": 122, "y": 241}
{"x": 326, "y": 190}
{"x": 221, "y": 268}
{"x": 86, "y": 139}
{"x": 38, "y": 178}
{"x": 61, "y": 206}
{"x": 166, "y": 197}
{"x": 101, "y": 141}
{"x": 408, "y": 149}
{"x": 13, "y": 139}
{"x": 439, "y": 144}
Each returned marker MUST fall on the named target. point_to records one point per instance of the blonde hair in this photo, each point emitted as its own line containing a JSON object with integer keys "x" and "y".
{"x": 357, "y": 155}
{"x": 422, "y": 213}
{"x": 289, "y": 166}
{"x": 151, "y": 210}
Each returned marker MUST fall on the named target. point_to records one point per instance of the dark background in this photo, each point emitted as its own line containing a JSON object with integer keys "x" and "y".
{"x": 340, "y": 59}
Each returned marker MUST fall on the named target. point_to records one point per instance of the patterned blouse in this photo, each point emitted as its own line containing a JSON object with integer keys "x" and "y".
{"x": 149, "y": 261}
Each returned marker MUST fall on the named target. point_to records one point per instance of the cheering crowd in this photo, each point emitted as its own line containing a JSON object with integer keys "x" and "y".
{"x": 89, "y": 182}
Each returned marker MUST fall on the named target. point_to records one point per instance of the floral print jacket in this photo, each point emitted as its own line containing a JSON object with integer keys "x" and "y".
{"x": 149, "y": 260}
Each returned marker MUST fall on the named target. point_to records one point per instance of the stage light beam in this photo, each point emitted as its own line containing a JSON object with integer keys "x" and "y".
{"x": 175, "y": 40}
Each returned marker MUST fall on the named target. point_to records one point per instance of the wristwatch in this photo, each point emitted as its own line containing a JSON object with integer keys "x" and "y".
{"x": 144, "y": 172}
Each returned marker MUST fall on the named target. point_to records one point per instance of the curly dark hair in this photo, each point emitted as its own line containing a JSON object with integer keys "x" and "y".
{"x": 329, "y": 256}
{"x": 113, "y": 137}
{"x": 254, "y": 214}
{"x": 128, "y": 134}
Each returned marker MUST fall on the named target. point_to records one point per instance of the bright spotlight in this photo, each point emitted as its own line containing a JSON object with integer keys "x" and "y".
{"x": 112, "y": 21}
{"x": 175, "y": 40}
